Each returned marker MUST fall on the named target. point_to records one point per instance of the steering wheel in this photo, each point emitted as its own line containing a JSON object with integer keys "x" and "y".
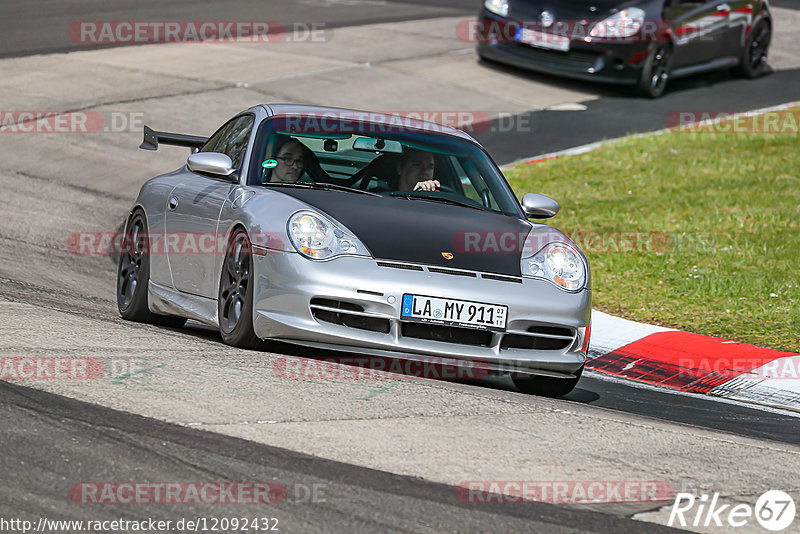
{"x": 440, "y": 189}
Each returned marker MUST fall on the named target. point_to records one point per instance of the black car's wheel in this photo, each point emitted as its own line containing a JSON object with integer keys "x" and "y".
{"x": 133, "y": 276}
{"x": 655, "y": 71}
{"x": 546, "y": 386}
{"x": 754, "y": 57}
{"x": 235, "y": 303}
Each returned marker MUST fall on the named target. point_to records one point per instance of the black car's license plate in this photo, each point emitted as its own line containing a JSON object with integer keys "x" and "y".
{"x": 542, "y": 40}
{"x": 452, "y": 312}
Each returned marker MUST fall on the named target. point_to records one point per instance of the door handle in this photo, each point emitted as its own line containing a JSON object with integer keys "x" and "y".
{"x": 173, "y": 203}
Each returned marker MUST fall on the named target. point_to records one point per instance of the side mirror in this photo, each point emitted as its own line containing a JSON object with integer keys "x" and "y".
{"x": 538, "y": 206}
{"x": 211, "y": 163}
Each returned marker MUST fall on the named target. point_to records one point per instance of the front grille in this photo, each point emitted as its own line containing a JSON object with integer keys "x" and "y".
{"x": 575, "y": 59}
{"x": 405, "y": 266}
{"x": 441, "y": 270}
{"x": 540, "y": 338}
{"x": 552, "y": 330}
{"x": 447, "y": 334}
{"x": 322, "y": 310}
{"x": 337, "y": 304}
{"x": 500, "y": 278}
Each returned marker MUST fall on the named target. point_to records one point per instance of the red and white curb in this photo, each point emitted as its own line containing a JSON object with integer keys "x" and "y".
{"x": 683, "y": 361}
{"x": 694, "y": 363}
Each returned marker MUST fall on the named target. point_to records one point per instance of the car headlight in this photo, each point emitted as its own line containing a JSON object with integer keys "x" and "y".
{"x": 498, "y": 7}
{"x": 315, "y": 237}
{"x": 622, "y": 24}
{"x": 559, "y": 263}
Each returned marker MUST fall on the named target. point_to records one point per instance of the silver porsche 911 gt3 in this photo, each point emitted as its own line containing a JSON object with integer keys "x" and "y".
{"x": 359, "y": 232}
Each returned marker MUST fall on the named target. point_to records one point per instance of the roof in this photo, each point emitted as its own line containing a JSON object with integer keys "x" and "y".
{"x": 378, "y": 117}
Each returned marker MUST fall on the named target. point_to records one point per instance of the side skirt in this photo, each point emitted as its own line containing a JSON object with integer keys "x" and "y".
{"x": 717, "y": 64}
{"x": 167, "y": 301}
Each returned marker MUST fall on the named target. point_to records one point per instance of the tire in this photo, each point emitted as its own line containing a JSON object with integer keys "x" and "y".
{"x": 546, "y": 386}
{"x": 235, "y": 299}
{"x": 655, "y": 71}
{"x": 754, "y": 56}
{"x": 133, "y": 277}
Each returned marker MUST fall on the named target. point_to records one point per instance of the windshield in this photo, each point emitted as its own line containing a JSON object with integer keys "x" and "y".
{"x": 380, "y": 159}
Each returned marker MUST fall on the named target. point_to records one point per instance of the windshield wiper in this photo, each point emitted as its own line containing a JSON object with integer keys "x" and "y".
{"x": 325, "y": 186}
{"x": 446, "y": 200}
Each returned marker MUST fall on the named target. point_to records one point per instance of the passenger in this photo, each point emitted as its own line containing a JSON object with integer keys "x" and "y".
{"x": 291, "y": 161}
{"x": 416, "y": 169}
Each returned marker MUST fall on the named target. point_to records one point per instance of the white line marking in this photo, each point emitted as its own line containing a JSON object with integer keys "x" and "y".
{"x": 567, "y": 106}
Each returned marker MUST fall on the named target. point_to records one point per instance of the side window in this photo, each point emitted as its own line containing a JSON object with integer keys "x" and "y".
{"x": 232, "y": 139}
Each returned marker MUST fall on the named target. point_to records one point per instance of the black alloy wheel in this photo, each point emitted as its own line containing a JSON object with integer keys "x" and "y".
{"x": 235, "y": 302}
{"x": 754, "y": 57}
{"x": 133, "y": 276}
{"x": 655, "y": 72}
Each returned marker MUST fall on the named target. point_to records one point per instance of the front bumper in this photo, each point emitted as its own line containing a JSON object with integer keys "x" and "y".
{"x": 603, "y": 61}
{"x": 353, "y": 304}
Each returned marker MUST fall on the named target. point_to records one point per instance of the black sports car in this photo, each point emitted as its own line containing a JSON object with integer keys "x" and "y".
{"x": 644, "y": 42}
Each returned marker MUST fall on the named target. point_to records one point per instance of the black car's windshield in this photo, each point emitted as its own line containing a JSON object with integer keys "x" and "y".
{"x": 380, "y": 159}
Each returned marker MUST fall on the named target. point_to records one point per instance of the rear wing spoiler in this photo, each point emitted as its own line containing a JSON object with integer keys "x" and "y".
{"x": 152, "y": 138}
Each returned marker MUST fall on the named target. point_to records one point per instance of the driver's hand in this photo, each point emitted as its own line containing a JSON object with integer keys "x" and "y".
{"x": 427, "y": 185}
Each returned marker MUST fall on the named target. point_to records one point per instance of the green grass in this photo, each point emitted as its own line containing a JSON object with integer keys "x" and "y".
{"x": 729, "y": 205}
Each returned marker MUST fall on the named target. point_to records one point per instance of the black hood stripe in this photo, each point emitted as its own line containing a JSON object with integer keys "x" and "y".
{"x": 418, "y": 231}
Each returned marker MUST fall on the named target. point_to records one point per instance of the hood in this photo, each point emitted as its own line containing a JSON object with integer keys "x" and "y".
{"x": 564, "y": 10}
{"x": 420, "y": 231}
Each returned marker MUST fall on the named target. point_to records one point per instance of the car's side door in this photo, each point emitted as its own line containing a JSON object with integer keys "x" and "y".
{"x": 740, "y": 19}
{"x": 192, "y": 213}
{"x": 698, "y": 27}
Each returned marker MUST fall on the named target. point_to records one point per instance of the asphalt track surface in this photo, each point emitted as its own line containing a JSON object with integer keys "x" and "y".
{"x": 28, "y": 28}
{"x": 619, "y": 111}
{"x": 76, "y": 440}
{"x": 79, "y": 441}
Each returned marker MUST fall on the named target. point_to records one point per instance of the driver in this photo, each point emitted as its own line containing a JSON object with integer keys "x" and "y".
{"x": 291, "y": 161}
{"x": 415, "y": 169}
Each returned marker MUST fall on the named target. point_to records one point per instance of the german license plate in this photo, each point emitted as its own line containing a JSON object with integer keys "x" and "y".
{"x": 452, "y": 312}
{"x": 542, "y": 40}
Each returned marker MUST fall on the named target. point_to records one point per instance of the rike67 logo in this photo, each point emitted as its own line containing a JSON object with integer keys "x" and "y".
{"x": 774, "y": 510}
